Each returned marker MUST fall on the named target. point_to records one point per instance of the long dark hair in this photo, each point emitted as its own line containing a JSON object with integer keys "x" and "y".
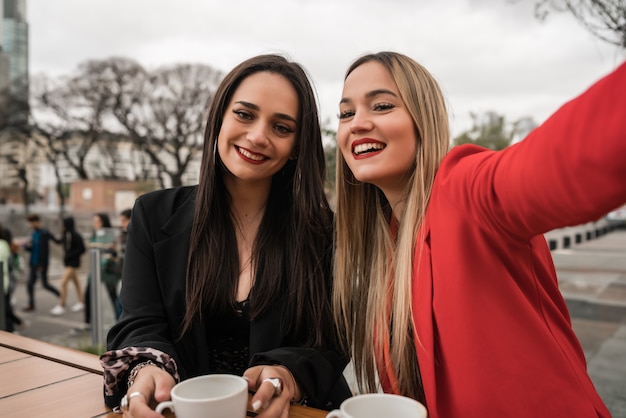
{"x": 104, "y": 218}
{"x": 68, "y": 230}
{"x": 292, "y": 249}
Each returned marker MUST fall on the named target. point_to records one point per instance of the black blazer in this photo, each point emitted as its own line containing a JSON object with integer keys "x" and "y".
{"x": 153, "y": 300}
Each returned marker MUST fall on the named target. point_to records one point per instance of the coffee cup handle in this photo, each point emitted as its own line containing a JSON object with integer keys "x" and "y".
{"x": 165, "y": 405}
{"x": 335, "y": 413}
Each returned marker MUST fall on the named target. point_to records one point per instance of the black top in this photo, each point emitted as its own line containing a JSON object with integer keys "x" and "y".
{"x": 229, "y": 340}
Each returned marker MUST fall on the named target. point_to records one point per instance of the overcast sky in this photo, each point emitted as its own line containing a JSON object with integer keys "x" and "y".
{"x": 486, "y": 54}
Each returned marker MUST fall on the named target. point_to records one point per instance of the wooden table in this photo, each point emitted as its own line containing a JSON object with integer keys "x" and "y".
{"x": 39, "y": 379}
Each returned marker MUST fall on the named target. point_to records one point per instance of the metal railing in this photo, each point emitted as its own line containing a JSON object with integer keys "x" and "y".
{"x": 97, "y": 322}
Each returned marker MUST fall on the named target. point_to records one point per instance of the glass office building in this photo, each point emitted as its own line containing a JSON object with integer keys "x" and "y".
{"x": 14, "y": 92}
{"x": 14, "y": 44}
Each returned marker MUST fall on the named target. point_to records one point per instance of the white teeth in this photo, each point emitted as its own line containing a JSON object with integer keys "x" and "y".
{"x": 247, "y": 154}
{"x": 361, "y": 148}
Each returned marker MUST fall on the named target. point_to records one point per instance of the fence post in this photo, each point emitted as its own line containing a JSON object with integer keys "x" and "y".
{"x": 97, "y": 334}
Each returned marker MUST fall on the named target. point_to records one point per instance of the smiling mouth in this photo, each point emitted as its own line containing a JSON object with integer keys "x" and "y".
{"x": 251, "y": 155}
{"x": 367, "y": 148}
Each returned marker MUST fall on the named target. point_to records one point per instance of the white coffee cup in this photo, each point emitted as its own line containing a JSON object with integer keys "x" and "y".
{"x": 376, "y": 405}
{"x": 213, "y": 395}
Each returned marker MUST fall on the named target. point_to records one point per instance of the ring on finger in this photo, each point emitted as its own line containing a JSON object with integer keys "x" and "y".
{"x": 277, "y": 382}
{"x": 125, "y": 402}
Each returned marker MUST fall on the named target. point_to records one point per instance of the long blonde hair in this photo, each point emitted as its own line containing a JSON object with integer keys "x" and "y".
{"x": 369, "y": 307}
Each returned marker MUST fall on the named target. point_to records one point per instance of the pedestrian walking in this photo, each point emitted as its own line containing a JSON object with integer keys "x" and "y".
{"x": 39, "y": 248}
{"x": 124, "y": 217}
{"x": 11, "y": 319}
{"x": 73, "y": 249}
{"x": 102, "y": 238}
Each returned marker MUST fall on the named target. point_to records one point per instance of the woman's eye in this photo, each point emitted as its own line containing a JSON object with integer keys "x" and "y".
{"x": 284, "y": 129}
{"x": 345, "y": 114}
{"x": 242, "y": 114}
{"x": 383, "y": 106}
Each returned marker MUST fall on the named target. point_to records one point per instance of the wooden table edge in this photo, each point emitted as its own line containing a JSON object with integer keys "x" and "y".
{"x": 64, "y": 355}
{"x": 91, "y": 363}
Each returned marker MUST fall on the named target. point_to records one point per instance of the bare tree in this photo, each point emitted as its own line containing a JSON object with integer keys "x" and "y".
{"x": 55, "y": 129}
{"x": 141, "y": 125}
{"x": 605, "y": 19}
{"x": 163, "y": 113}
{"x": 93, "y": 91}
{"x": 65, "y": 124}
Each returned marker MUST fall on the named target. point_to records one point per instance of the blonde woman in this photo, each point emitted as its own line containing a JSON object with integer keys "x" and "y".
{"x": 443, "y": 279}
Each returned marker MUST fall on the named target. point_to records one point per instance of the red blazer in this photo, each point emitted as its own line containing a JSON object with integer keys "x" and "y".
{"x": 494, "y": 336}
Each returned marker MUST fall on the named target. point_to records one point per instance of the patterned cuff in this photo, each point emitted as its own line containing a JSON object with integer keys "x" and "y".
{"x": 116, "y": 364}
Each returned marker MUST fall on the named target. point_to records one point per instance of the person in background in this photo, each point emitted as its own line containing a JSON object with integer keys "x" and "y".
{"x": 6, "y": 234}
{"x": 14, "y": 259}
{"x": 73, "y": 248}
{"x": 234, "y": 275}
{"x": 102, "y": 238}
{"x": 124, "y": 220}
{"x": 124, "y": 217}
{"x": 12, "y": 321}
{"x": 444, "y": 283}
{"x": 15, "y": 266}
{"x": 39, "y": 247}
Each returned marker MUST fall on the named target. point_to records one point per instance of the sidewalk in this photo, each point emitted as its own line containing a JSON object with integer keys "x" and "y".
{"x": 592, "y": 278}
{"x": 41, "y": 324}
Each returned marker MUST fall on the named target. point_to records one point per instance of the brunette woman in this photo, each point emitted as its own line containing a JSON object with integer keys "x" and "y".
{"x": 233, "y": 275}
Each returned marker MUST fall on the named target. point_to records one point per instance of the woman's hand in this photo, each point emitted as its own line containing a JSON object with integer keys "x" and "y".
{"x": 155, "y": 386}
{"x": 273, "y": 405}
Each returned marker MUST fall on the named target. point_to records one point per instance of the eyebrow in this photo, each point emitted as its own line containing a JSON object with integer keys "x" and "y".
{"x": 257, "y": 108}
{"x": 371, "y": 94}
